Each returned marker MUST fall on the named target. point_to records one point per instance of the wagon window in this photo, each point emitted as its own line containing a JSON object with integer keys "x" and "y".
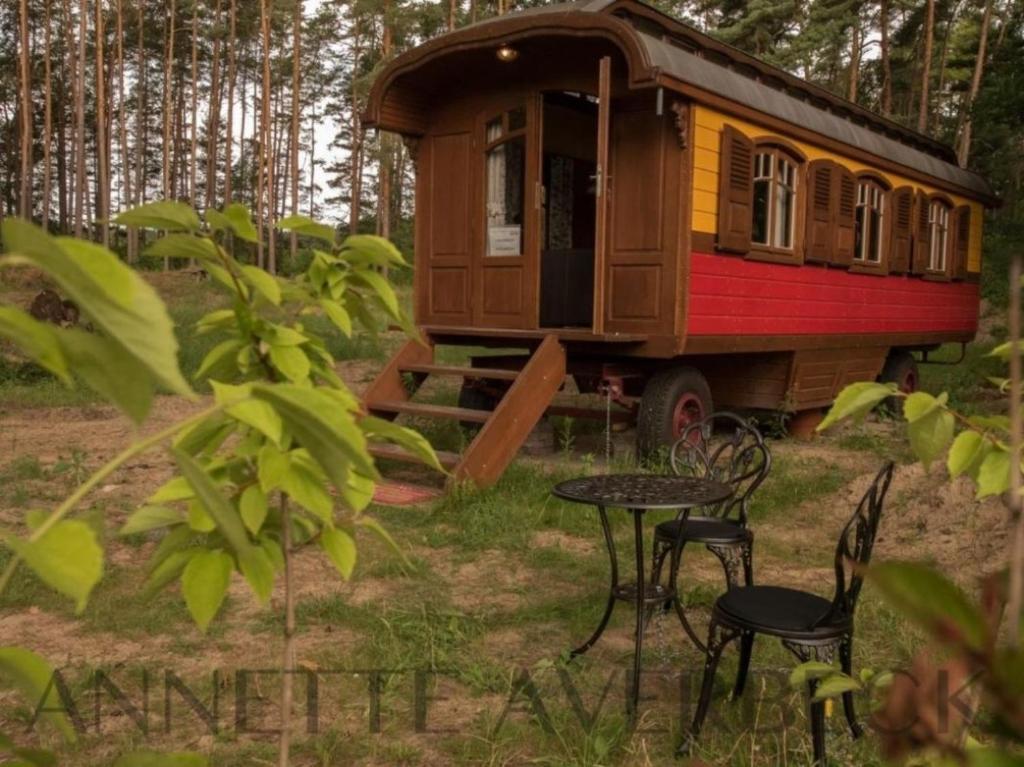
{"x": 938, "y": 222}
{"x": 774, "y": 200}
{"x": 506, "y": 182}
{"x": 869, "y": 222}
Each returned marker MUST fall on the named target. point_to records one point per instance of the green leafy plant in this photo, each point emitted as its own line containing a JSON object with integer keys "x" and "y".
{"x": 278, "y": 460}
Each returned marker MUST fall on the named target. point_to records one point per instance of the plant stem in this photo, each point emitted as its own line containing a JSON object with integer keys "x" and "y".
{"x": 105, "y": 471}
{"x": 288, "y": 655}
{"x": 1017, "y": 555}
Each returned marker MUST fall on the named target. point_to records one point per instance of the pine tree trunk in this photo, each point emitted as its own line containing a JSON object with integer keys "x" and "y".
{"x": 266, "y": 158}
{"x": 296, "y": 82}
{"x": 453, "y": 7}
{"x": 229, "y": 138}
{"x": 168, "y": 59}
{"x": 885, "y": 57}
{"x": 141, "y": 126}
{"x": 356, "y": 160}
{"x": 193, "y": 126}
{"x": 964, "y": 149}
{"x": 855, "y": 53}
{"x": 213, "y": 122}
{"x": 25, "y": 112}
{"x": 47, "y": 119}
{"x": 80, "y": 179}
{"x": 102, "y": 148}
{"x": 122, "y": 127}
{"x": 67, "y": 75}
{"x": 926, "y": 67}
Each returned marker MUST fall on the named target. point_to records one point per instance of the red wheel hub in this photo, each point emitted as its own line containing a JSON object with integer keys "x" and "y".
{"x": 908, "y": 385}
{"x": 688, "y": 409}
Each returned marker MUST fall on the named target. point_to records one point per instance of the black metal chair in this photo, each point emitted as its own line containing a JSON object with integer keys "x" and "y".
{"x": 737, "y": 456}
{"x": 810, "y": 626}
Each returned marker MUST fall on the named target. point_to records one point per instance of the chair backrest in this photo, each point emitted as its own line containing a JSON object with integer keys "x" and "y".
{"x": 733, "y": 453}
{"x": 853, "y": 552}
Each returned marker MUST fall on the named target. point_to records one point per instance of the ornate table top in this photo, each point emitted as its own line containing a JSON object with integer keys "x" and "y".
{"x": 643, "y": 491}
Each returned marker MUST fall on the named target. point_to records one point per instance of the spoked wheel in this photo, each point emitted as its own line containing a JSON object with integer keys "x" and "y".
{"x": 672, "y": 400}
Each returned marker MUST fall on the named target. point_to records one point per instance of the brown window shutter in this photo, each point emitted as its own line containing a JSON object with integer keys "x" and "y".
{"x": 902, "y": 215}
{"x": 922, "y": 234}
{"x": 820, "y": 175}
{"x": 962, "y": 242}
{"x": 845, "y": 201}
{"x": 735, "y": 191}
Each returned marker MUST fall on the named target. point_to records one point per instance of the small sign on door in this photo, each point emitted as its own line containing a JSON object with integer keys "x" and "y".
{"x": 504, "y": 240}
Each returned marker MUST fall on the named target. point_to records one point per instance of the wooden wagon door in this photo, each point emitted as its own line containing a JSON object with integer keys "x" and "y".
{"x": 640, "y": 249}
{"x": 506, "y": 268}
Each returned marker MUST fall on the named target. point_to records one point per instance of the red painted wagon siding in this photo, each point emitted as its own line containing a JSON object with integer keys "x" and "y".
{"x": 736, "y": 296}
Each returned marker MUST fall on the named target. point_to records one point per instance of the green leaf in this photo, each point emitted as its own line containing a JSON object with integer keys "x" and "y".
{"x": 967, "y": 453}
{"x": 382, "y": 289}
{"x": 67, "y": 557}
{"x": 183, "y": 246}
{"x": 254, "y": 413}
{"x": 109, "y": 370}
{"x": 199, "y": 518}
{"x": 264, "y": 283}
{"x": 307, "y": 490}
{"x": 169, "y": 568}
{"x": 371, "y": 249}
{"x": 994, "y": 473}
{"x": 1004, "y": 350}
{"x": 307, "y": 227}
{"x": 993, "y": 757}
{"x": 359, "y": 492}
{"x": 932, "y": 602}
{"x": 31, "y": 676}
{"x": 805, "y": 672}
{"x": 174, "y": 489}
{"x": 340, "y": 548}
{"x": 930, "y": 426}
{"x": 377, "y": 529}
{"x": 153, "y": 759}
{"x": 329, "y": 433}
{"x": 241, "y": 222}
{"x": 151, "y": 518}
{"x": 252, "y": 560}
{"x": 36, "y": 340}
{"x": 252, "y": 505}
{"x": 834, "y": 686}
{"x": 205, "y": 437}
{"x": 411, "y": 440}
{"x": 291, "y": 361}
{"x": 272, "y": 465}
{"x": 204, "y": 583}
{"x": 119, "y": 302}
{"x": 221, "y": 361}
{"x": 337, "y": 314}
{"x": 167, "y": 214}
{"x": 857, "y": 400}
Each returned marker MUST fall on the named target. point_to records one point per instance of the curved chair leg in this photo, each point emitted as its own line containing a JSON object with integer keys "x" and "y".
{"x": 748, "y": 561}
{"x": 718, "y": 637}
{"x": 746, "y": 650}
{"x": 731, "y": 555}
{"x": 817, "y": 717}
{"x": 846, "y": 661}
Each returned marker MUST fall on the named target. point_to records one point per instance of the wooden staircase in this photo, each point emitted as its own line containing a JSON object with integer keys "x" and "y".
{"x": 502, "y": 430}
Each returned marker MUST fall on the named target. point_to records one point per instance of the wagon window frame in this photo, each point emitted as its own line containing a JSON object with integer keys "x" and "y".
{"x": 941, "y": 236}
{"x": 874, "y": 193}
{"x": 502, "y": 130}
{"x": 792, "y": 163}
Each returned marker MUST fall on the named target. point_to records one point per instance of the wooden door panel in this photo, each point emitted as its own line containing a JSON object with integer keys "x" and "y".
{"x": 448, "y": 233}
{"x": 643, "y": 221}
{"x": 503, "y": 292}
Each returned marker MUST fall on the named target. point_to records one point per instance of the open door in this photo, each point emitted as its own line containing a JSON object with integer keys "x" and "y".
{"x": 506, "y": 269}
{"x": 601, "y": 178}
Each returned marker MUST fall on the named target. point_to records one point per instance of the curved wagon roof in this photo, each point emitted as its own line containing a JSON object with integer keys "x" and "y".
{"x": 663, "y": 51}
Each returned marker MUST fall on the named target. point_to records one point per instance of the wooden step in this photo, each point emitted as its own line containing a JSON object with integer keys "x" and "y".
{"x": 498, "y": 374}
{"x": 391, "y": 452}
{"x": 431, "y": 411}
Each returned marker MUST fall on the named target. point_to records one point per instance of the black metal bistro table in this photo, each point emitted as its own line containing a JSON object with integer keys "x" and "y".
{"x": 638, "y": 493}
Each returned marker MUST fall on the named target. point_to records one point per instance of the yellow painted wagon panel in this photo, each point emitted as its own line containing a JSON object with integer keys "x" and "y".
{"x": 707, "y": 145}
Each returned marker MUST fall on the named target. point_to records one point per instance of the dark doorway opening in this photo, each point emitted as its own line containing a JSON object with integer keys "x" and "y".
{"x": 569, "y": 212}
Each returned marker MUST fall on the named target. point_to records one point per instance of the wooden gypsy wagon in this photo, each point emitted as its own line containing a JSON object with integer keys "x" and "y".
{"x": 665, "y": 220}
